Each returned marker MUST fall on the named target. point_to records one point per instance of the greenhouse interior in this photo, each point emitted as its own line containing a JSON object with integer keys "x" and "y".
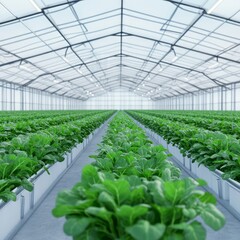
{"x": 119, "y": 120}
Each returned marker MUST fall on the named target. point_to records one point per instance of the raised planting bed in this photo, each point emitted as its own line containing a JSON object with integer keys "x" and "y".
{"x": 13, "y": 214}
{"x": 228, "y": 190}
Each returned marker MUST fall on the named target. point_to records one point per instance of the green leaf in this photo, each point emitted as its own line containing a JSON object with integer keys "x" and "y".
{"x": 27, "y": 185}
{"x": 107, "y": 201}
{"x": 75, "y": 226}
{"x": 8, "y": 195}
{"x": 67, "y": 197}
{"x": 130, "y": 213}
{"x": 212, "y": 216}
{"x": 63, "y": 210}
{"x": 168, "y": 214}
{"x": 138, "y": 194}
{"x": 208, "y": 198}
{"x": 142, "y": 230}
{"x": 190, "y": 213}
{"x": 201, "y": 182}
{"x": 101, "y": 213}
{"x": 79, "y": 207}
{"x": 174, "y": 191}
{"x": 119, "y": 189}
{"x": 194, "y": 231}
{"x": 89, "y": 234}
{"x": 89, "y": 176}
{"x": 167, "y": 174}
{"x": 156, "y": 190}
{"x": 174, "y": 236}
{"x": 133, "y": 180}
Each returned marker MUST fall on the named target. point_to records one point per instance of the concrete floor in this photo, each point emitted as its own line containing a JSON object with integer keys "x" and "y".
{"x": 43, "y": 226}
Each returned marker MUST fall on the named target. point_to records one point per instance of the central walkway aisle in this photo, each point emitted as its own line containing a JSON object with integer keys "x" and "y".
{"x": 42, "y": 225}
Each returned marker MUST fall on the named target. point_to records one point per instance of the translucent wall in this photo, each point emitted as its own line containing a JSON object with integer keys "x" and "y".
{"x": 219, "y": 98}
{"x": 119, "y": 99}
{"x": 14, "y": 97}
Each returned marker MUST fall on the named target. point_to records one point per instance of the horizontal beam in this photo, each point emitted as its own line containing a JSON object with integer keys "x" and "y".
{"x": 182, "y": 47}
{"x": 204, "y": 10}
{"x": 36, "y": 14}
{"x": 177, "y": 66}
{"x": 161, "y": 75}
{"x": 57, "y": 49}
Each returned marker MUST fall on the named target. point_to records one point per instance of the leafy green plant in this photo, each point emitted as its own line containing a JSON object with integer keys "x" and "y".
{"x": 133, "y": 192}
{"x": 15, "y": 171}
{"x": 215, "y": 150}
{"x": 103, "y": 207}
{"x": 24, "y": 155}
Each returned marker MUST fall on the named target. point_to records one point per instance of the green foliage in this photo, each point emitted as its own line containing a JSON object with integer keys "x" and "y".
{"x": 162, "y": 208}
{"x": 133, "y": 192}
{"x": 205, "y": 141}
{"x": 25, "y": 154}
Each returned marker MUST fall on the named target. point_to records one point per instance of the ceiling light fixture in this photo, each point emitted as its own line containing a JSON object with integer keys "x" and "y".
{"x": 175, "y": 55}
{"x": 79, "y": 70}
{"x": 160, "y": 68}
{"x": 214, "y": 6}
{"x": 24, "y": 67}
{"x": 174, "y": 59}
{"x": 35, "y": 5}
{"x": 65, "y": 59}
{"x": 214, "y": 65}
{"x": 65, "y": 56}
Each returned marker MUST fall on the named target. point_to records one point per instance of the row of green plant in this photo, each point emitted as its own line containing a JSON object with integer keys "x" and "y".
{"x": 13, "y": 129}
{"x": 29, "y": 112}
{"x": 214, "y": 150}
{"x": 230, "y": 116}
{"x": 24, "y": 155}
{"x": 227, "y": 127}
{"x": 15, "y": 116}
{"x": 132, "y": 191}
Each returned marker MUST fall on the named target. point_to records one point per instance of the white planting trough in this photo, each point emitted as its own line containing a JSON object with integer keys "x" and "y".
{"x": 187, "y": 163}
{"x": 14, "y": 214}
{"x": 228, "y": 190}
{"x": 10, "y": 217}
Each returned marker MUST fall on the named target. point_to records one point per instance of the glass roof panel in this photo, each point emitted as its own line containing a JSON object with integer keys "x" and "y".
{"x": 81, "y": 44}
